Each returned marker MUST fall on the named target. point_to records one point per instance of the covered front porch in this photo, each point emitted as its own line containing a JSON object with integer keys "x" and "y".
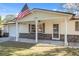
{"x": 42, "y": 24}
{"x": 47, "y": 35}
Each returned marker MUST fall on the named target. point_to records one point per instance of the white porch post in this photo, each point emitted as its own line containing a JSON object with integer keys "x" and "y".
{"x": 36, "y": 32}
{"x": 17, "y": 34}
{"x": 65, "y": 41}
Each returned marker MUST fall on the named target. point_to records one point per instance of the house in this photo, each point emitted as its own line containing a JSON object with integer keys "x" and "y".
{"x": 7, "y": 19}
{"x": 1, "y": 27}
{"x": 45, "y": 25}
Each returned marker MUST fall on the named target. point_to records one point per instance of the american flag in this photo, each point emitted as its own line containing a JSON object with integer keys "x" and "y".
{"x": 24, "y": 12}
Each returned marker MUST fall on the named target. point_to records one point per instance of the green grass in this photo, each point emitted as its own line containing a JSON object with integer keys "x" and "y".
{"x": 26, "y": 49}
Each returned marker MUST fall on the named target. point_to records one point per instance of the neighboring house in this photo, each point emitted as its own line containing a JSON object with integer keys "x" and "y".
{"x": 1, "y": 27}
{"x": 52, "y": 25}
{"x": 8, "y": 18}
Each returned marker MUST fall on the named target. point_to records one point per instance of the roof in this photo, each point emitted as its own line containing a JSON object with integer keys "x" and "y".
{"x": 53, "y": 11}
{"x": 46, "y": 10}
{"x": 74, "y": 18}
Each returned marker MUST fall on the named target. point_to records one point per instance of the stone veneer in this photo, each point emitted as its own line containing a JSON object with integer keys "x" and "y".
{"x": 71, "y": 38}
{"x": 32, "y": 36}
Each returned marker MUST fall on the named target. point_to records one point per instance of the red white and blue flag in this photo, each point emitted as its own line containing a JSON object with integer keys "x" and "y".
{"x": 24, "y": 12}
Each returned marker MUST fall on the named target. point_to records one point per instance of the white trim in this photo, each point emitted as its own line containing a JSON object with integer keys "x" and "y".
{"x": 65, "y": 37}
{"x": 36, "y": 32}
{"x": 17, "y": 34}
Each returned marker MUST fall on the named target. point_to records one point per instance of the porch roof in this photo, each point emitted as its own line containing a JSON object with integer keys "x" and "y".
{"x": 43, "y": 14}
{"x": 53, "y": 11}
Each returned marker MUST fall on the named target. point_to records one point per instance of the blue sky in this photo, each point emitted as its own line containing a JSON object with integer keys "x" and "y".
{"x": 14, "y": 8}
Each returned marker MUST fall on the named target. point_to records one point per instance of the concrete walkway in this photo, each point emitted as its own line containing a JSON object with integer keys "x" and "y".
{"x": 55, "y": 43}
{"x": 3, "y": 39}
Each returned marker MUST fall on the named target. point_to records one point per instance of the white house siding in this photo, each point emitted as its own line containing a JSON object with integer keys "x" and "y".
{"x": 70, "y": 29}
{"x": 24, "y": 26}
{"x": 49, "y": 26}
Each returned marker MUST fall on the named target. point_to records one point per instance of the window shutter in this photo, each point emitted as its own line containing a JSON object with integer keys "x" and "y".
{"x": 29, "y": 27}
{"x": 43, "y": 27}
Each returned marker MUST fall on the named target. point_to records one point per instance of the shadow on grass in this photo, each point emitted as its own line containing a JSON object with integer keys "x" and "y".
{"x": 9, "y": 47}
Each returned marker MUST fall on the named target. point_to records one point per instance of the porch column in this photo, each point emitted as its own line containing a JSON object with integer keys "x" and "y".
{"x": 65, "y": 37}
{"x": 17, "y": 34}
{"x": 36, "y": 32}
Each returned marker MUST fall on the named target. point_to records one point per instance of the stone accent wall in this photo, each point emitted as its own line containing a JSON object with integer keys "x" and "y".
{"x": 5, "y": 34}
{"x": 27, "y": 35}
{"x": 71, "y": 38}
{"x": 32, "y": 36}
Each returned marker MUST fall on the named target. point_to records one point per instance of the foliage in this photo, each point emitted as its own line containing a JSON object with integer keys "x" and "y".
{"x": 71, "y": 7}
{"x": 1, "y": 22}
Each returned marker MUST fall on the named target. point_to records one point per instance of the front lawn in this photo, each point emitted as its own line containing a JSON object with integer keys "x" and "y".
{"x": 26, "y": 49}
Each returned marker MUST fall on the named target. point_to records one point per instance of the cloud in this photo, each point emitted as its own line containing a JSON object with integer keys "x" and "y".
{"x": 4, "y": 9}
{"x": 54, "y": 9}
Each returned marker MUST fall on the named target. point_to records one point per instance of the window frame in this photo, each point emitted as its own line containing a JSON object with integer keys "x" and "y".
{"x": 38, "y": 28}
{"x": 31, "y": 28}
{"x": 77, "y": 26}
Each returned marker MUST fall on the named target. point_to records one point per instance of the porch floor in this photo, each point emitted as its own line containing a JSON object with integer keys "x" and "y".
{"x": 53, "y": 42}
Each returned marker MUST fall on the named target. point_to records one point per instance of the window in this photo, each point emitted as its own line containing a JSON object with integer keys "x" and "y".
{"x": 77, "y": 26}
{"x": 41, "y": 28}
{"x": 32, "y": 29}
{"x": 55, "y": 30}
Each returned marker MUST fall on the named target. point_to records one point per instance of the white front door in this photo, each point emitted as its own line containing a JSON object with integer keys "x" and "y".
{"x": 12, "y": 30}
{"x": 55, "y": 34}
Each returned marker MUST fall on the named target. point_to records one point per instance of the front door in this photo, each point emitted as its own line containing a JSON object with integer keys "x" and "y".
{"x": 55, "y": 34}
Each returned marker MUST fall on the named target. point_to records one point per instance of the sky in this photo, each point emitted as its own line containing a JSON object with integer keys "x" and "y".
{"x": 15, "y": 8}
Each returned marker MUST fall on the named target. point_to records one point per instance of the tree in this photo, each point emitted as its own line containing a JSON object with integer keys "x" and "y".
{"x": 1, "y": 22}
{"x": 71, "y": 7}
